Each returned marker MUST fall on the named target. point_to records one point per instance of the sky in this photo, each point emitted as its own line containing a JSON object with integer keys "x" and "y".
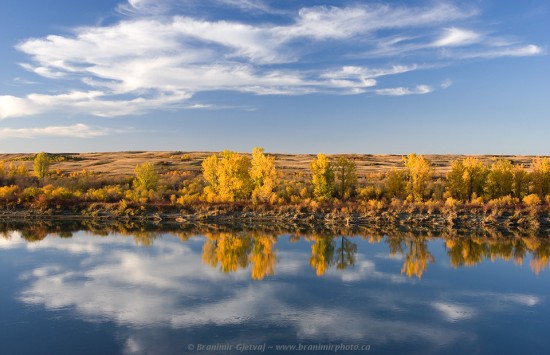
{"x": 380, "y": 77}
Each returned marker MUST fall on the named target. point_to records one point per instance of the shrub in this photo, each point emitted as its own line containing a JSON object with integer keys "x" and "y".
{"x": 532, "y": 200}
{"x": 105, "y": 194}
{"x": 8, "y": 193}
{"x": 505, "y": 201}
{"x": 451, "y": 202}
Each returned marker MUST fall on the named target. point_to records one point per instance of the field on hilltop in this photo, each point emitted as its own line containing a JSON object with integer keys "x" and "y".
{"x": 119, "y": 164}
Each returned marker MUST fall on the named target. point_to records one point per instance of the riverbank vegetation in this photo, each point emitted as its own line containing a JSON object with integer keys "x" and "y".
{"x": 231, "y": 179}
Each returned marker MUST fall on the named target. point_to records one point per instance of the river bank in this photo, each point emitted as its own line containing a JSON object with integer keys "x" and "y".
{"x": 342, "y": 215}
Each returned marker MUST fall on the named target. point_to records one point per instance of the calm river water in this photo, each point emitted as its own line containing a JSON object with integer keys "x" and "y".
{"x": 84, "y": 292}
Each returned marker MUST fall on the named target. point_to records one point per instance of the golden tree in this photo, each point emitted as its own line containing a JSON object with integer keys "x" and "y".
{"x": 210, "y": 174}
{"x": 41, "y": 165}
{"x": 520, "y": 183}
{"x": 419, "y": 174}
{"x": 500, "y": 179}
{"x": 466, "y": 178}
{"x": 540, "y": 177}
{"x": 322, "y": 178}
{"x": 345, "y": 173}
{"x": 263, "y": 175}
{"x": 146, "y": 176}
{"x": 227, "y": 176}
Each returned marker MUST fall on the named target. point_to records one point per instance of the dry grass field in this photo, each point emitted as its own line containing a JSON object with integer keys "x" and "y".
{"x": 118, "y": 164}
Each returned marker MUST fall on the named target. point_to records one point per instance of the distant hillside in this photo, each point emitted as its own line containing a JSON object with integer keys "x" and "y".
{"x": 123, "y": 163}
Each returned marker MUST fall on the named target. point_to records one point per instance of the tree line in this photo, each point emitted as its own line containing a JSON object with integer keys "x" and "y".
{"x": 230, "y": 177}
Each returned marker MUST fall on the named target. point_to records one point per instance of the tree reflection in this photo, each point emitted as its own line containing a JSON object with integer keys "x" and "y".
{"x": 263, "y": 257}
{"x": 322, "y": 253}
{"x": 228, "y": 250}
{"x": 466, "y": 251}
{"x": 231, "y": 250}
{"x": 345, "y": 254}
{"x": 416, "y": 258}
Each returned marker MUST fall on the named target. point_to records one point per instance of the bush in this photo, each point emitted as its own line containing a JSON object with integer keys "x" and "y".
{"x": 451, "y": 202}
{"x": 105, "y": 194}
{"x": 532, "y": 200}
{"x": 8, "y": 193}
{"x": 505, "y": 201}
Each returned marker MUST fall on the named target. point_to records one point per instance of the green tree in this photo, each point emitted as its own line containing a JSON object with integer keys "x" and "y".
{"x": 500, "y": 179}
{"x": 41, "y": 165}
{"x": 346, "y": 175}
{"x": 540, "y": 177}
{"x": 466, "y": 178}
{"x": 394, "y": 183}
{"x": 322, "y": 178}
{"x": 146, "y": 176}
{"x": 263, "y": 175}
{"x": 419, "y": 174}
{"x": 520, "y": 183}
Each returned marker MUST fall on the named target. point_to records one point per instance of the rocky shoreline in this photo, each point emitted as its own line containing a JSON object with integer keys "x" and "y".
{"x": 327, "y": 216}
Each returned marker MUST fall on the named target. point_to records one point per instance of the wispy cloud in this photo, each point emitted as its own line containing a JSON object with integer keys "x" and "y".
{"x": 447, "y": 83}
{"x": 457, "y": 37}
{"x": 153, "y": 58}
{"x": 400, "y": 91}
{"x": 513, "y": 51}
{"x": 79, "y": 130}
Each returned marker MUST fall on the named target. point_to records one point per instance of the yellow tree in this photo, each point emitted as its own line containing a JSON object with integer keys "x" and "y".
{"x": 540, "y": 177}
{"x": 345, "y": 172}
{"x": 419, "y": 174}
{"x": 227, "y": 176}
{"x": 500, "y": 179}
{"x": 322, "y": 178}
{"x": 210, "y": 174}
{"x": 41, "y": 165}
{"x": 466, "y": 177}
{"x": 146, "y": 176}
{"x": 263, "y": 175}
{"x": 520, "y": 183}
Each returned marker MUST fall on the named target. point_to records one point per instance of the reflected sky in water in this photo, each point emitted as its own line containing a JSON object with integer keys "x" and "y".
{"x": 151, "y": 293}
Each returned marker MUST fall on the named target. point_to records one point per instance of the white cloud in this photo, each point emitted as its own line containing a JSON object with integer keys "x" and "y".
{"x": 457, "y": 37}
{"x": 155, "y": 59}
{"x": 79, "y": 130}
{"x": 513, "y": 51}
{"x": 400, "y": 91}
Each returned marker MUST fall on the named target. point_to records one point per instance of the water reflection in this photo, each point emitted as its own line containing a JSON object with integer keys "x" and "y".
{"x": 160, "y": 288}
{"x": 230, "y": 251}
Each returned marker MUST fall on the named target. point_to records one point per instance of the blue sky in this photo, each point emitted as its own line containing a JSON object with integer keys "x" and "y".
{"x": 466, "y": 77}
